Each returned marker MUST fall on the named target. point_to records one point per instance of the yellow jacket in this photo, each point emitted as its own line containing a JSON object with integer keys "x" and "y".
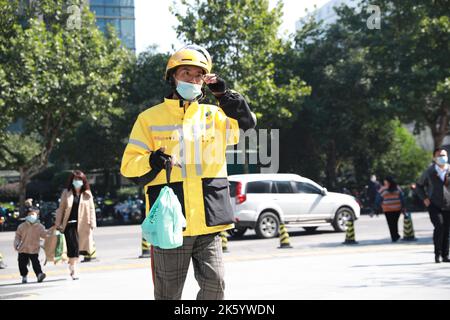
{"x": 196, "y": 135}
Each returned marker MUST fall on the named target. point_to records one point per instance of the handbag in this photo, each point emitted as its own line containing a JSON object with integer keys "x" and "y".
{"x": 163, "y": 226}
{"x": 55, "y": 247}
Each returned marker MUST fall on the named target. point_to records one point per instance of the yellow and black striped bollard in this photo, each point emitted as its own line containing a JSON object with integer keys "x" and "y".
{"x": 2, "y": 264}
{"x": 224, "y": 238}
{"x": 92, "y": 255}
{"x": 145, "y": 248}
{"x": 408, "y": 228}
{"x": 284, "y": 238}
{"x": 350, "y": 233}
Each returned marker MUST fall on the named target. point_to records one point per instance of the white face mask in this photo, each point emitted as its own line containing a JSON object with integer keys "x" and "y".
{"x": 441, "y": 160}
{"x": 77, "y": 184}
{"x": 189, "y": 91}
{"x": 32, "y": 218}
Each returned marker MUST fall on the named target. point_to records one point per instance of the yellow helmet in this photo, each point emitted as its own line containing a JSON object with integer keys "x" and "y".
{"x": 191, "y": 55}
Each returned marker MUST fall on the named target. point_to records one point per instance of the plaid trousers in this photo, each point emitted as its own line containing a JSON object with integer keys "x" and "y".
{"x": 170, "y": 268}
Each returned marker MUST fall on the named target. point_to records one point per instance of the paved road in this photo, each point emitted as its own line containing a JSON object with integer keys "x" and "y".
{"x": 317, "y": 267}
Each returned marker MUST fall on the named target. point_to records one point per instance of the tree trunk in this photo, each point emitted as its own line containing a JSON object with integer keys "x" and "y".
{"x": 331, "y": 165}
{"x": 24, "y": 179}
{"x": 439, "y": 128}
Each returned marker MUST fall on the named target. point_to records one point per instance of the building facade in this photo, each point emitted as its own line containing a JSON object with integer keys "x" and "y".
{"x": 326, "y": 13}
{"x": 119, "y": 14}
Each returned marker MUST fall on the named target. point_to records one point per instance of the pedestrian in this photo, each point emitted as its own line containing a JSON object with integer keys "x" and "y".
{"x": 433, "y": 188}
{"x": 372, "y": 191}
{"x": 193, "y": 137}
{"x": 392, "y": 201}
{"x": 27, "y": 244}
{"x": 75, "y": 217}
{"x": 417, "y": 203}
{"x": 2, "y": 264}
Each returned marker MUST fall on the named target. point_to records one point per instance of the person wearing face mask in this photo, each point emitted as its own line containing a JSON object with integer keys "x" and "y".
{"x": 192, "y": 137}
{"x": 27, "y": 244}
{"x": 76, "y": 218}
{"x": 433, "y": 189}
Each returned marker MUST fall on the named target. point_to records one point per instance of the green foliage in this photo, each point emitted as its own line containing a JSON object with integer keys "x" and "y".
{"x": 19, "y": 149}
{"x": 142, "y": 86}
{"x": 405, "y": 160}
{"x": 345, "y": 130}
{"x": 53, "y": 77}
{"x": 242, "y": 37}
{"x": 338, "y": 126}
{"x": 126, "y": 192}
{"x": 409, "y": 60}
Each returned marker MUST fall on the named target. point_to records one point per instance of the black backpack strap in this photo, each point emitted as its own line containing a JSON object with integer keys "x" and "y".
{"x": 168, "y": 166}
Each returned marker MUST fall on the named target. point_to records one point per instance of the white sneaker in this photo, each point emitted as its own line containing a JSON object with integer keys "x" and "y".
{"x": 73, "y": 272}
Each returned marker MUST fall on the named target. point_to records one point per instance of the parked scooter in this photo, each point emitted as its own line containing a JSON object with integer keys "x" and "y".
{"x": 130, "y": 211}
{"x": 10, "y": 214}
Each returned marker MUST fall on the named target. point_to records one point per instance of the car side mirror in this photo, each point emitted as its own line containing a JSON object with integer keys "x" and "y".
{"x": 324, "y": 191}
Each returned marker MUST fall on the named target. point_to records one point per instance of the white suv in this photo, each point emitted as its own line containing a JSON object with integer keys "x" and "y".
{"x": 261, "y": 201}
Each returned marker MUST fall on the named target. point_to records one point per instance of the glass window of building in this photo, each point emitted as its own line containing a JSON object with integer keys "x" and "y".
{"x": 119, "y": 14}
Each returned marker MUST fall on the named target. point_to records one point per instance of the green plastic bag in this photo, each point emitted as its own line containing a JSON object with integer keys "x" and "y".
{"x": 59, "y": 250}
{"x": 163, "y": 226}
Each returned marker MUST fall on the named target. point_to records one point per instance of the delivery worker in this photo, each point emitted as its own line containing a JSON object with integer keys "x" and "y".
{"x": 193, "y": 136}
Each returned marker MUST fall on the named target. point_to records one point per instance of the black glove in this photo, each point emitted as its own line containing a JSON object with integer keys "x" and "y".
{"x": 158, "y": 160}
{"x": 219, "y": 87}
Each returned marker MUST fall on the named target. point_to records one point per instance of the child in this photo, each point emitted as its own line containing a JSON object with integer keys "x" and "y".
{"x": 27, "y": 243}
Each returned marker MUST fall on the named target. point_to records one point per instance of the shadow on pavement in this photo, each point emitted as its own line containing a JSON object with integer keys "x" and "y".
{"x": 386, "y": 241}
{"x": 291, "y": 234}
{"x": 422, "y": 279}
{"x": 394, "y": 264}
{"x": 30, "y": 283}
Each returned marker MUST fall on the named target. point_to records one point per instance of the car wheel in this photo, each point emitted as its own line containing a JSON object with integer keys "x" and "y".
{"x": 237, "y": 232}
{"x": 310, "y": 229}
{"x": 267, "y": 225}
{"x": 341, "y": 217}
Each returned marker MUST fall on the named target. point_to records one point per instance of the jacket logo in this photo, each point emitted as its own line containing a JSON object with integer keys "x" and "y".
{"x": 164, "y": 138}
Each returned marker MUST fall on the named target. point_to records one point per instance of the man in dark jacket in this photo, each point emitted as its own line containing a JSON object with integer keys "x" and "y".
{"x": 433, "y": 189}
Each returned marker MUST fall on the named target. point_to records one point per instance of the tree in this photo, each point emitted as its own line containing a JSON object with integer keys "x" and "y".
{"x": 52, "y": 77}
{"x": 142, "y": 86}
{"x": 409, "y": 58}
{"x": 404, "y": 160}
{"x": 242, "y": 37}
{"x": 345, "y": 131}
{"x": 338, "y": 124}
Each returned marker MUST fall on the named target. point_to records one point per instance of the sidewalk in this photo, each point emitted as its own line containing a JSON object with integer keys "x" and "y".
{"x": 397, "y": 271}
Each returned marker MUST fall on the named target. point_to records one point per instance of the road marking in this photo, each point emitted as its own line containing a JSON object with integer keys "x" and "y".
{"x": 85, "y": 269}
{"x": 19, "y": 295}
{"x": 282, "y": 254}
{"x": 337, "y": 250}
